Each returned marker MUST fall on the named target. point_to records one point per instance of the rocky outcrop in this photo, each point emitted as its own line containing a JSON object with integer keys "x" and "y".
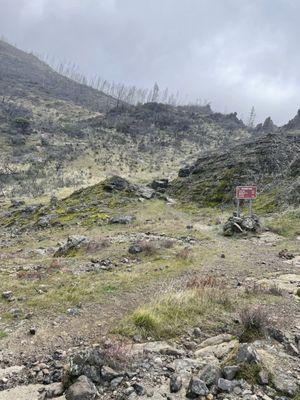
{"x": 271, "y": 162}
{"x": 267, "y": 127}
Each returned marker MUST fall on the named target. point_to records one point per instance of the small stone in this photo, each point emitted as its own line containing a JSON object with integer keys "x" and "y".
{"x": 135, "y": 249}
{"x": 197, "y": 332}
{"x": 54, "y": 390}
{"x": 139, "y": 389}
{"x": 196, "y": 388}
{"x": 109, "y": 374}
{"x": 73, "y": 312}
{"x": 116, "y": 382}
{"x": 263, "y": 377}
{"x": 226, "y": 385}
{"x": 175, "y": 383}
{"x": 7, "y": 295}
{"x": 230, "y": 371}
{"x": 15, "y": 312}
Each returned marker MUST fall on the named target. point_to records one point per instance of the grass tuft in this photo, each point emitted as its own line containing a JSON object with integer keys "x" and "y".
{"x": 175, "y": 312}
{"x": 254, "y": 320}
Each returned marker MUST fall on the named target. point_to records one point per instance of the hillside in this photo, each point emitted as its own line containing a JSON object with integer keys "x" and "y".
{"x": 57, "y": 134}
{"x": 272, "y": 162}
{"x": 24, "y": 77}
{"x": 126, "y": 288}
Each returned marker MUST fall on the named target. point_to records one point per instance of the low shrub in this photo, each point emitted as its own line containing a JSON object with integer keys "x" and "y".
{"x": 254, "y": 321}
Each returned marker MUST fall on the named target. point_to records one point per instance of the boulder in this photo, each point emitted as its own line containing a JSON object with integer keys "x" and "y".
{"x": 218, "y": 350}
{"x": 82, "y": 389}
{"x": 159, "y": 184}
{"x": 116, "y": 183}
{"x": 210, "y": 374}
{"x": 122, "y": 219}
{"x": 74, "y": 242}
{"x": 135, "y": 249}
{"x": 230, "y": 371}
{"x": 145, "y": 192}
{"x": 247, "y": 354}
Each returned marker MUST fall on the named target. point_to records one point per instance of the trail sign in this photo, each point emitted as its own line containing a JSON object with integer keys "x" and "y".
{"x": 245, "y": 192}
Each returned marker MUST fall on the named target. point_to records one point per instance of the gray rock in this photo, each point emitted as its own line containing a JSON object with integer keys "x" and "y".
{"x": 139, "y": 389}
{"x": 89, "y": 363}
{"x": 82, "y": 389}
{"x": 108, "y": 374}
{"x": 45, "y": 221}
{"x": 175, "y": 383}
{"x": 210, "y": 374}
{"x": 184, "y": 172}
{"x": 17, "y": 203}
{"x": 73, "y": 311}
{"x": 263, "y": 377}
{"x": 7, "y": 295}
{"x": 135, "y": 249}
{"x": 15, "y": 312}
{"x": 230, "y": 371}
{"x": 123, "y": 219}
{"x": 54, "y": 390}
{"x": 53, "y": 201}
{"x": 247, "y": 354}
{"x": 116, "y": 382}
{"x": 196, "y": 388}
{"x": 146, "y": 192}
{"x": 73, "y": 242}
{"x": 227, "y": 386}
{"x": 197, "y": 332}
{"x": 158, "y": 184}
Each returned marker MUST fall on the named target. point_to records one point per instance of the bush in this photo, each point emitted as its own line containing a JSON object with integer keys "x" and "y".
{"x": 254, "y": 320}
{"x": 185, "y": 254}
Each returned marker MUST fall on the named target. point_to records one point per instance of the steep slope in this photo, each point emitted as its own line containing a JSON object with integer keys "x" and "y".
{"x": 24, "y": 75}
{"x": 271, "y": 162}
{"x": 56, "y": 133}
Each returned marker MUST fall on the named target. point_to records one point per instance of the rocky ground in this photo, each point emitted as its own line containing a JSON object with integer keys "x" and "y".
{"x": 151, "y": 301}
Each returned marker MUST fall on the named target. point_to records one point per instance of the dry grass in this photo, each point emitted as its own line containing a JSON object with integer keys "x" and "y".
{"x": 254, "y": 321}
{"x": 174, "y": 312}
{"x": 261, "y": 289}
{"x": 185, "y": 254}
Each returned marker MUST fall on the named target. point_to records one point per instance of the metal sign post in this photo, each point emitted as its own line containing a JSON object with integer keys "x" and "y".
{"x": 245, "y": 193}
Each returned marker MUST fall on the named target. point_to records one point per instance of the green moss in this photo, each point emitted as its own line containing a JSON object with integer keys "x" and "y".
{"x": 3, "y": 334}
{"x": 249, "y": 372}
{"x": 287, "y": 224}
{"x": 171, "y": 314}
{"x": 250, "y": 334}
{"x": 266, "y": 202}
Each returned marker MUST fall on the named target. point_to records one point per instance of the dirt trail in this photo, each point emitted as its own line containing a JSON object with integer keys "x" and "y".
{"x": 243, "y": 258}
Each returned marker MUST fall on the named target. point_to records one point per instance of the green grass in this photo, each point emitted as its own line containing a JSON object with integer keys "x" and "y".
{"x": 3, "y": 335}
{"x": 249, "y": 372}
{"x": 171, "y": 314}
{"x": 286, "y": 224}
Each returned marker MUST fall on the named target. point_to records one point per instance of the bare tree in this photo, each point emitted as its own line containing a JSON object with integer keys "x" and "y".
{"x": 252, "y": 117}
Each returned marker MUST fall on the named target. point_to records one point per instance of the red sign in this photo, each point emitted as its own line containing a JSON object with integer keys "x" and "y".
{"x": 245, "y": 192}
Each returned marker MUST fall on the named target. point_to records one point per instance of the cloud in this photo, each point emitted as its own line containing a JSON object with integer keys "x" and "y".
{"x": 234, "y": 53}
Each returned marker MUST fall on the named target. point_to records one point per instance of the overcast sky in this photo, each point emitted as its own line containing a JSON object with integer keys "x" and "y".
{"x": 234, "y": 53}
